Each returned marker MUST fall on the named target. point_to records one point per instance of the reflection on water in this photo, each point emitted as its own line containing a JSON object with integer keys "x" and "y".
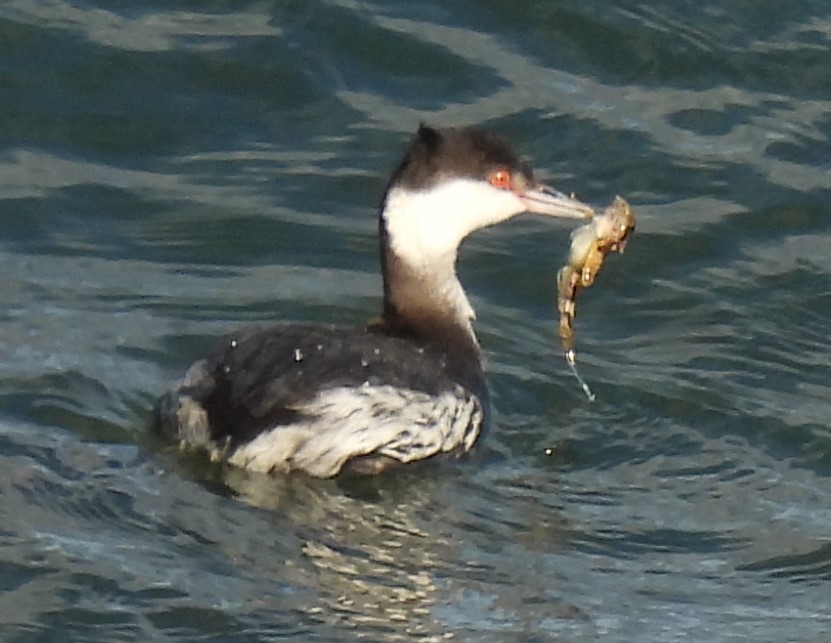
{"x": 390, "y": 556}
{"x": 376, "y": 568}
{"x": 171, "y": 171}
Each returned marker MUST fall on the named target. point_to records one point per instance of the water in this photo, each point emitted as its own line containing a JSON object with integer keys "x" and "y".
{"x": 171, "y": 170}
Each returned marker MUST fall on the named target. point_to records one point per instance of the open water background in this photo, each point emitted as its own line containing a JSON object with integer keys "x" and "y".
{"x": 172, "y": 169}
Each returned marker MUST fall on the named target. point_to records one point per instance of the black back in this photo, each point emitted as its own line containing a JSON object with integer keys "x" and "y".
{"x": 261, "y": 376}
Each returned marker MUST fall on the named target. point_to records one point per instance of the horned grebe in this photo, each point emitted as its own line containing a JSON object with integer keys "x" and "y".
{"x": 409, "y": 386}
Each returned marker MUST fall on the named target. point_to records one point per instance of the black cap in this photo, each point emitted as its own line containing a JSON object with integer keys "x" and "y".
{"x": 435, "y": 154}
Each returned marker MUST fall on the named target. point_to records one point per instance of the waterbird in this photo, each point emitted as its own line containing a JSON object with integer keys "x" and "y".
{"x": 407, "y": 387}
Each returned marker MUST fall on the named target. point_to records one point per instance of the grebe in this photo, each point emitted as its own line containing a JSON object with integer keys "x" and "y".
{"x": 409, "y": 386}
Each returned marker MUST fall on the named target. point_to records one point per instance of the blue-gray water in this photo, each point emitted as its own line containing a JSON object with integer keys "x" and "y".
{"x": 170, "y": 170}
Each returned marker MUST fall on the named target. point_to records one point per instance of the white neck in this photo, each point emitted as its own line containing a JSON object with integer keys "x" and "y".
{"x": 425, "y": 229}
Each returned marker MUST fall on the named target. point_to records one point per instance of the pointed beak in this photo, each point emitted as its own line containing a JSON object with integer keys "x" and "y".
{"x": 541, "y": 199}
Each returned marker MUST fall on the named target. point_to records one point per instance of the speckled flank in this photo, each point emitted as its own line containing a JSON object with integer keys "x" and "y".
{"x": 347, "y": 422}
{"x": 298, "y": 397}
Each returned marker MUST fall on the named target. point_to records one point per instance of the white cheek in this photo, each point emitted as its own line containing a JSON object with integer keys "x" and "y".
{"x": 427, "y": 225}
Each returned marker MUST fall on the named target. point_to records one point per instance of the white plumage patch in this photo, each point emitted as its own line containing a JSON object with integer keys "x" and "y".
{"x": 425, "y": 228}
{"x": 347, "y": 422}
{"x": 426, "y": 225}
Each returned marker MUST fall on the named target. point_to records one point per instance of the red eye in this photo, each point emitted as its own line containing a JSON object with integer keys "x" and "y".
{"x": 500, "y": 179}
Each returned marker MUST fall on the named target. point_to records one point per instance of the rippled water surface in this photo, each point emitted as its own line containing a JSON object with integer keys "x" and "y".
{"x": 171, "y": 170}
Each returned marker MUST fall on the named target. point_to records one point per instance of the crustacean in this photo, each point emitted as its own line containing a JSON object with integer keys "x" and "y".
{"x": 606, "y": 232}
